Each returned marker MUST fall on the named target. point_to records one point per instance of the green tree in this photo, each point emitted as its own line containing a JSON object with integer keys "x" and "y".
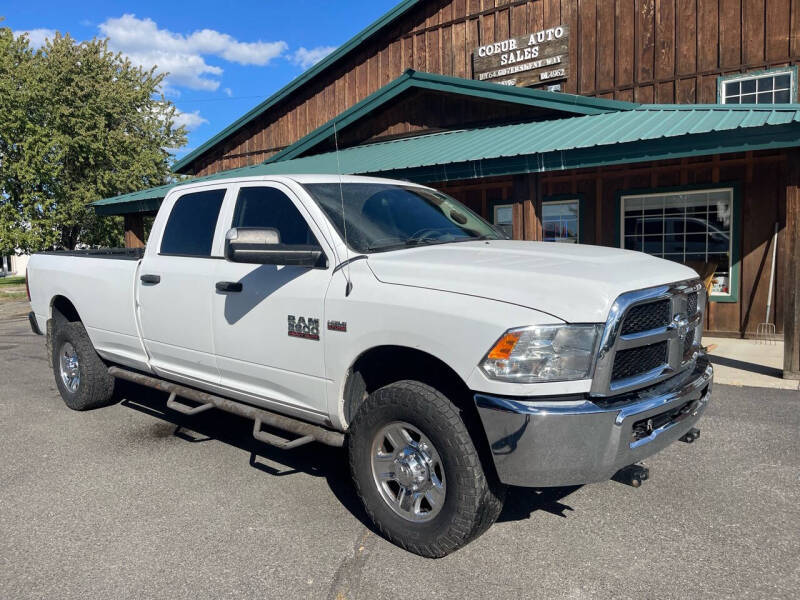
{"x": 77, "y": 123}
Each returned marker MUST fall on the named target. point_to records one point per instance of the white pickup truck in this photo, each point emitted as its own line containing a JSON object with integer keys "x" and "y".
{"x": 388, "y": 317}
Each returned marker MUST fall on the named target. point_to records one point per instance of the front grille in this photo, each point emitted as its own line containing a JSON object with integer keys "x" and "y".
{"x": 645, "y": 317}
{"x": 691, "y": 304}
{"x": 635, "y": 361}
{"x": 650, "y": 334}
{"x": 687, "y": 344}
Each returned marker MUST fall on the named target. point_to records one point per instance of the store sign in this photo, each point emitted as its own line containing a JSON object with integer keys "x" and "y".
{"x": 535, "y": 58}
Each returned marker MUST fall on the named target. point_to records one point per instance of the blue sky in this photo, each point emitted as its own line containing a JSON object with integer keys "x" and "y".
{"x": 224, "y": 58}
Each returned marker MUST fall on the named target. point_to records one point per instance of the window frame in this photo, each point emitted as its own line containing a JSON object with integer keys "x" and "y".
{"x": 736, "y": 224}
{"x": 301, "y": 210}
{"x": 501, "y": 204}
{"x": 308, "y": 209}
{"x": 790, "y": 70}
{"x": 214, "y": 252}
{"x": 563, "y": 199}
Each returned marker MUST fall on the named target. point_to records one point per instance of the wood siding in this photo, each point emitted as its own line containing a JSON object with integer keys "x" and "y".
{"x": 640, "y": 50}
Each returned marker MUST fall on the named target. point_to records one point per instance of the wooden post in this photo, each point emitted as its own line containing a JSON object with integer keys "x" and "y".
{"x": 526, "y": 193}
{"x": 134, "y": 230}
{"x": 791, "y": 278}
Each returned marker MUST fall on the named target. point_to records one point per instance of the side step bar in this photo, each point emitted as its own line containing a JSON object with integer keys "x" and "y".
{"x": 306, "y": 431}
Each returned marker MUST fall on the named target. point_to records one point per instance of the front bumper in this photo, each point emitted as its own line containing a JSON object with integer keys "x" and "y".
{"x": 554, "y": 442}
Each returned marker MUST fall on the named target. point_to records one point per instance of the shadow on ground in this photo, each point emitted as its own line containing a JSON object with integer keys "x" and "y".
{"x": 311, "y": 459}
{"x": 744, "y": 365}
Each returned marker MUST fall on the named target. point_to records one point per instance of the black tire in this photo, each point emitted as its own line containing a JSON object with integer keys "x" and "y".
{"x": 472, "y": 501}
{"x": 95, "y": 387}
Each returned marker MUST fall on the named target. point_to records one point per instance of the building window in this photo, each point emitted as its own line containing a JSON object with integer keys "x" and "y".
{"x": 767, "y": 87}
{"x": 561, "y": 221}
{"x": 504, "y": 218}
{"x": 691, "y": 227}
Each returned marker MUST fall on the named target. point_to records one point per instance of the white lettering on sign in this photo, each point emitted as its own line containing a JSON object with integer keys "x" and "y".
{"x": 553, "y": 60}
{"x": 506, "y": 46}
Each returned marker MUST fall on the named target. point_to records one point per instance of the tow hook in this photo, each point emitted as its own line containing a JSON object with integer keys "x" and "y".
{"x": 690, "y": 436}
{"x": 632, "y": 475}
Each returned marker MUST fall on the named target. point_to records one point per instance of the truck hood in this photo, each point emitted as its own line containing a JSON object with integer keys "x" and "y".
{"x": 576, "y": 283}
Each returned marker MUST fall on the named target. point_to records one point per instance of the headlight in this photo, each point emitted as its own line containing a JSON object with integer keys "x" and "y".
{"x": 543, "y": 353}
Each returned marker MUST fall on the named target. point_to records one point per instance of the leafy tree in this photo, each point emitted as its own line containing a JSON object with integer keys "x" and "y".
{"x": 77, "y": 123}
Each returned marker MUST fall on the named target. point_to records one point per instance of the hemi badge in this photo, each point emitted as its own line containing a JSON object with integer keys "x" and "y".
{"x": 337, "y": 325}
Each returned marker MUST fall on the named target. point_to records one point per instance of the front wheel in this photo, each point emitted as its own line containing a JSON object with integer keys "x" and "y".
{"x": 417, "y": 471}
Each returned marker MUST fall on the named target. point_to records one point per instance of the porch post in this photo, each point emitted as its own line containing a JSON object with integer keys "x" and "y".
{"x": 134, "y": 230}
{"x": 526, "y": 194}
{"x": 791, "y": 279}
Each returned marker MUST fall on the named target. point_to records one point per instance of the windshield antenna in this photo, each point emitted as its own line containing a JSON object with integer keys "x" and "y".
{"x": 349, "y": 286}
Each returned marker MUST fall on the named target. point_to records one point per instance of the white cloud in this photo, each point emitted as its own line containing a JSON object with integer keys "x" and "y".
{"x": 36, "y": 37}
{"x": 190, "y": 120}
{"x": 306, "y": 58}
{"x": 182, "y": 56}
{"x": 228, "y": 92}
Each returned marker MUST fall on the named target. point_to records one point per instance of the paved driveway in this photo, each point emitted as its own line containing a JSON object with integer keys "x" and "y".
{"x": 126, "y": 502}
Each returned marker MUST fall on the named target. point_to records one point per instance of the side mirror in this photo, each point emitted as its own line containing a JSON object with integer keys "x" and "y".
{"x": 262, "y": 246}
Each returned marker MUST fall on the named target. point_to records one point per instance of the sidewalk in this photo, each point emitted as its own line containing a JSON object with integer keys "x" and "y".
{"x": 748, "y": 362}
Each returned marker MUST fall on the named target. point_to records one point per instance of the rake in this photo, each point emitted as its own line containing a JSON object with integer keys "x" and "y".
{"x": 765, "y": 332}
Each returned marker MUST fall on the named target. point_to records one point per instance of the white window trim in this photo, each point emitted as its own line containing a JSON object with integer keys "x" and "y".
{"x": 575, "y": 200}
{"x": 732, "y": 193}
{"x": 494, "y": 215}
{"x": 791, "y": 72}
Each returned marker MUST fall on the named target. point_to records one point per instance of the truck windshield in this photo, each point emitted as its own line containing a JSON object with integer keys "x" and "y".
{"x": 382, "y": 216}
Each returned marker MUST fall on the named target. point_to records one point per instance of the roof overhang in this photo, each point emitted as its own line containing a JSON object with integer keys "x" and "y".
{"x": 646, "y": 133}
{"x": 560, "y": 104}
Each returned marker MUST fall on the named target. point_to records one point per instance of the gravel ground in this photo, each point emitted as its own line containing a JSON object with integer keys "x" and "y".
{"x": 135, "y": 501}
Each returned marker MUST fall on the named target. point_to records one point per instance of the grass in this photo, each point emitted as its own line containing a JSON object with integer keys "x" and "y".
{"x": 13, "y": 296}
{"x": 12, "y": 281}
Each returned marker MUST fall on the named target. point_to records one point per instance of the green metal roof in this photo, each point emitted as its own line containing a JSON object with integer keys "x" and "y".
{"x": 351, "y": 44}
{"x": 649, "y": 132}
{"x": 566, "y": 104}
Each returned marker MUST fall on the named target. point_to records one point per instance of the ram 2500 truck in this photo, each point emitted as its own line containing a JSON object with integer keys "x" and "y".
{"x": 387, "y": 317}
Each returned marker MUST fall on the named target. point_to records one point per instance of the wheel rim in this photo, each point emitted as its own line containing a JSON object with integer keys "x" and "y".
{"x": 69, "y": 367}
{"x": 408, "y": 472}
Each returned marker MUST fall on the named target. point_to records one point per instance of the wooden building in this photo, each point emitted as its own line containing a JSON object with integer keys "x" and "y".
{"x": 428, "y": 67}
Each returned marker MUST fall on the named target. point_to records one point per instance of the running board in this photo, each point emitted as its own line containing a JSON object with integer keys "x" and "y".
{"x": 306, "y": 431}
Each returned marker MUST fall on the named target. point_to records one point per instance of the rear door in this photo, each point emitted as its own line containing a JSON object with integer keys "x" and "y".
{"x": 258, "y": 353}
{"x": 176, "y": 283}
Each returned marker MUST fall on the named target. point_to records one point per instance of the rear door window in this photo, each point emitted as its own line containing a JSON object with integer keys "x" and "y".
{"x": 191, "y": 224}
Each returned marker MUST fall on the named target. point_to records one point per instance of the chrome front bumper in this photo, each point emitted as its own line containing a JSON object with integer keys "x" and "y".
{"x": 554, "y": 442}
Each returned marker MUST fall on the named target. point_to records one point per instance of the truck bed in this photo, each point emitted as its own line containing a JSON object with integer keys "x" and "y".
{"x": 100, "y": 284}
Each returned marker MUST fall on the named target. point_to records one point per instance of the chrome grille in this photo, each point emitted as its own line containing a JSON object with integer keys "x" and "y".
{"x": 691, "y": 304}
{"x": 644, "y": 317}
{"x": 635, "y": 361}
{"x": 650, "y": 335}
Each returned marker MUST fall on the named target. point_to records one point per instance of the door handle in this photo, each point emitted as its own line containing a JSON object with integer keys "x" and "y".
{"x": 229, "y": 286}
{"x": 154, "y": 279}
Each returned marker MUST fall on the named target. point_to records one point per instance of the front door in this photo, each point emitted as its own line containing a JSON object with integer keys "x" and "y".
{"x": 175, "y": 289}
{"x": 268, "y": 332}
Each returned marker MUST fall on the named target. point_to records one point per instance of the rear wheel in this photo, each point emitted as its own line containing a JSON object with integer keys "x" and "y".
{"x": 418, "y": 472}
{"x": 81, "y": 375}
